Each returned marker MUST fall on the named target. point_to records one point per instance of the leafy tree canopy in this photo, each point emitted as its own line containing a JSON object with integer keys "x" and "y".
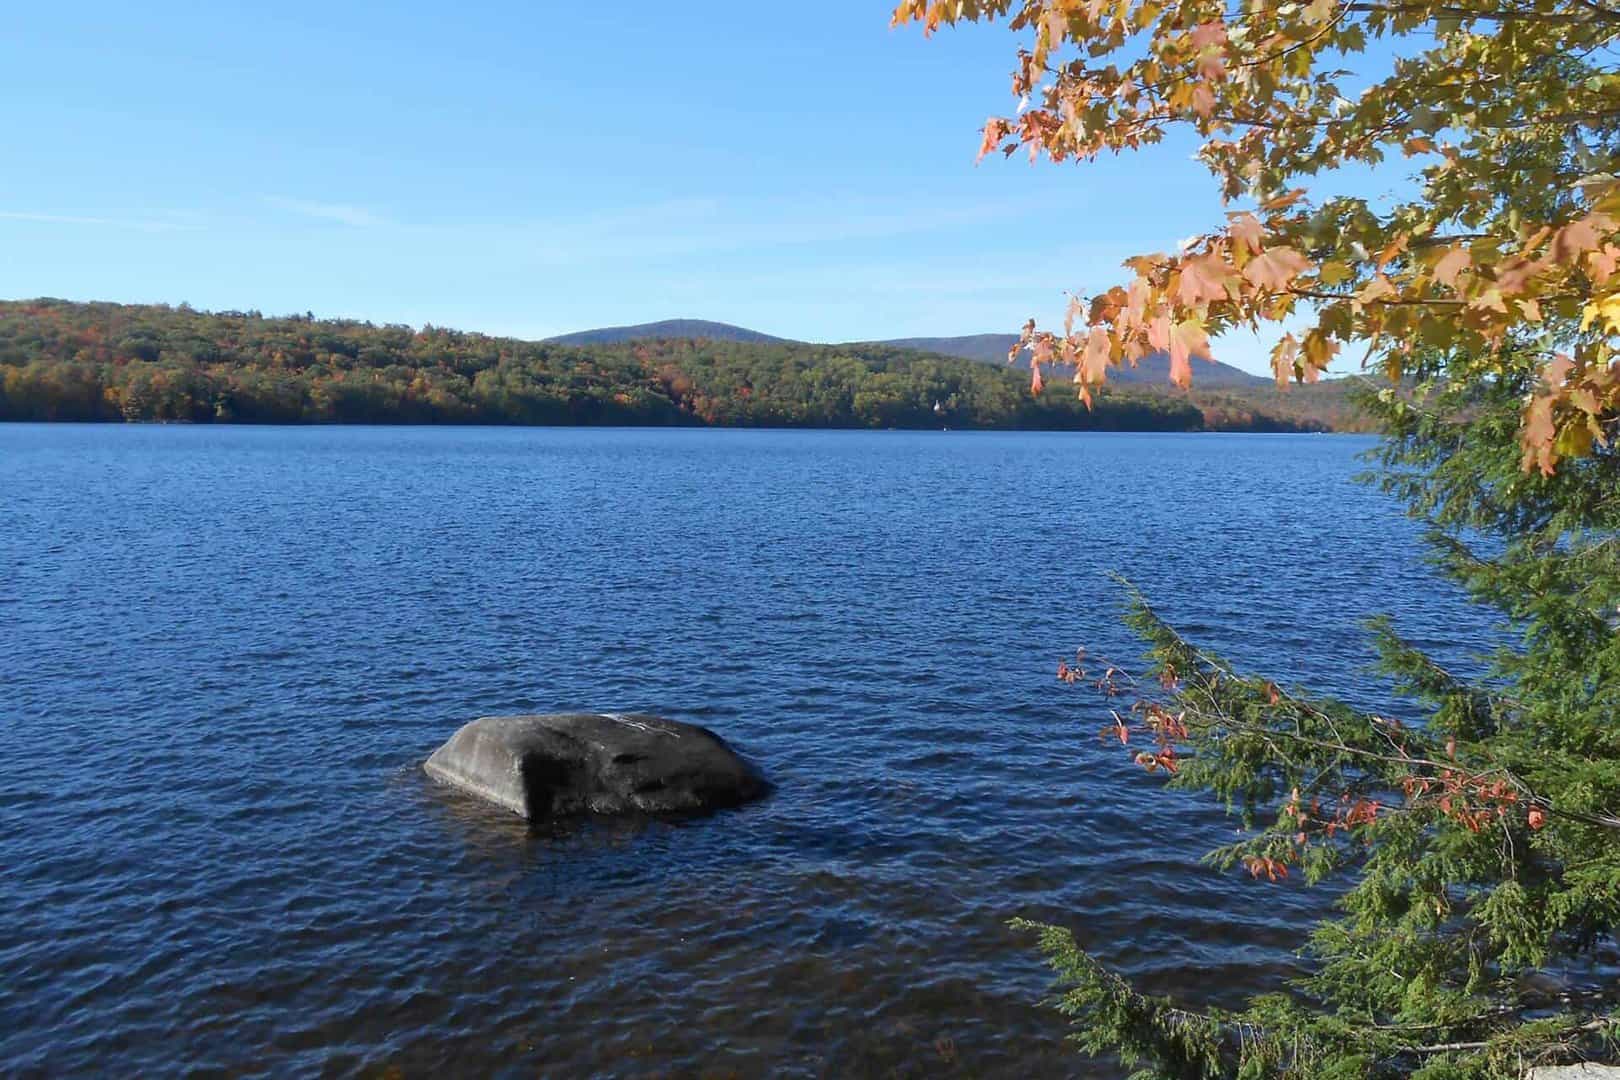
{"x": 1508, "y": 112}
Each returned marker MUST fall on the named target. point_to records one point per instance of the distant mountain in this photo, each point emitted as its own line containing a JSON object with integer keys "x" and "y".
{"x": 992, "y": 348}
{"x": 668, "y": 329}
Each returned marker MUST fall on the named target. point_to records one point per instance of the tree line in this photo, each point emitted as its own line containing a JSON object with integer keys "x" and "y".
{"x": 61, "y": 360}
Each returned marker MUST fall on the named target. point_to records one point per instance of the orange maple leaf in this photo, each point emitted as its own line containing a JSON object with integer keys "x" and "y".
{"x": 1187, "y": 339}
{"x": 1204, "y": 279}
{"x": 1275, "y": 267}
{"x": 1094, "y": 362}
{"x": 1246, "y": 231}
{"x": 1452, "y": 264}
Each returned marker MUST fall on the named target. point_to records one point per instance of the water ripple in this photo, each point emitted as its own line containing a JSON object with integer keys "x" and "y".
{"x": 228, "y": 650}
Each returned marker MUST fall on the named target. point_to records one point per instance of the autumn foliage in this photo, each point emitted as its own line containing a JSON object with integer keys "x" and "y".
{"x": 1506, "y": 223}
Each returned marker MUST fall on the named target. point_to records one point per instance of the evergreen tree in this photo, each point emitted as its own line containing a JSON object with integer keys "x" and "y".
{"x": 1479, "y": 837}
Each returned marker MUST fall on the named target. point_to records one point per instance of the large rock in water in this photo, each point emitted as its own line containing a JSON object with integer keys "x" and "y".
{"x": 605, "y": 763}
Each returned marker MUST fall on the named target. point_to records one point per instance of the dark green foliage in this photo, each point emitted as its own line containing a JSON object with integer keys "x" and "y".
{"x": 1477, "y": 839}
{"x": 67, "y": 361}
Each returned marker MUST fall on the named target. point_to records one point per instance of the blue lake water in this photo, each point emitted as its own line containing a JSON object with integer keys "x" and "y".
{"x": 226, "y": 652}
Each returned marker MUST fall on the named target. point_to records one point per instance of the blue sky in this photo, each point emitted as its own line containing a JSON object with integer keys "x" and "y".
{"x": 535, "y": 168}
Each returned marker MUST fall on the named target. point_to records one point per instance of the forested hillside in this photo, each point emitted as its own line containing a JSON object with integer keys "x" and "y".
{"x": 75, "y": 361}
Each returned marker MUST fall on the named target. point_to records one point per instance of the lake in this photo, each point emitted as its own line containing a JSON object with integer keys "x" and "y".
{"x": 227, "y": 651}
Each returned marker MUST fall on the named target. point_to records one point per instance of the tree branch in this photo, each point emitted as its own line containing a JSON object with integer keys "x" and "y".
{"x": 1598, "y": 14}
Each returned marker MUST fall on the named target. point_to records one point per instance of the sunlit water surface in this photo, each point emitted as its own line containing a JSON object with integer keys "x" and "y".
{"x": 228, "y": 650}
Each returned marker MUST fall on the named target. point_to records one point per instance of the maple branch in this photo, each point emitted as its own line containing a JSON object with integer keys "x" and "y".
{"x": 1559, "y": 118}
{"x": 1315, "y": 294}
{"x": 1327, "y": 28}
{"x": 1598, "y": 14}
{"x": 1445, "y": 241}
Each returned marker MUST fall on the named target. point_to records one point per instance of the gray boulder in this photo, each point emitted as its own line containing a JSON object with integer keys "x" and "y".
{"x": 604, "y": 763}
{"x": 1574, "y": 1072}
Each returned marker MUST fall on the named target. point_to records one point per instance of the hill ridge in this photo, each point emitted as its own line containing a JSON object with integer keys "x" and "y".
{"x": 985, "y": 348}
{"x": 664, "y": 329}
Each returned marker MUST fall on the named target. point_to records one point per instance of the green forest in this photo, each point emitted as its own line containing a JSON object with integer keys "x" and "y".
{"x": 61, "y": 360}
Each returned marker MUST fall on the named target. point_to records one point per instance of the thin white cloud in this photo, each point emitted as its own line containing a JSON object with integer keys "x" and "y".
{"x": 342, "y": 213}
{"x": 142, "y": 224}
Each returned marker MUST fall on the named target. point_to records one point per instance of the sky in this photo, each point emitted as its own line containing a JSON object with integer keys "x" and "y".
{"x": 533, "y": 168}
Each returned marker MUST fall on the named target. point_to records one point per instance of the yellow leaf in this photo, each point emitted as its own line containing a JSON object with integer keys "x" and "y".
{"x": 1575, "y": 440}
{"x": 1319, "y": 351}
{"x": 1604, "y": 310}
{"x": 1333, "y": 273}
